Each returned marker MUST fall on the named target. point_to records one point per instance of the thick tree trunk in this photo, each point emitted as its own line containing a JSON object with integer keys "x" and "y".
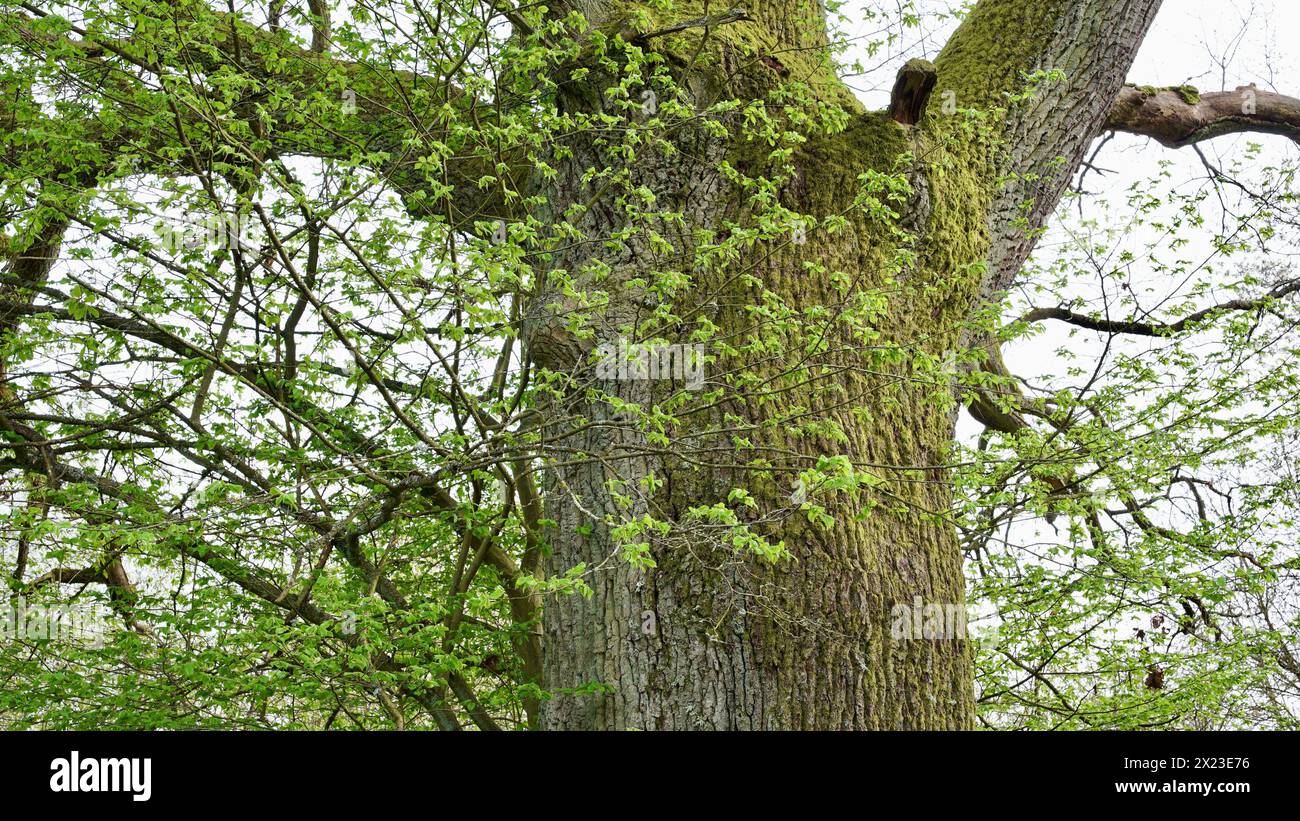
{"x": 710, "y": 638}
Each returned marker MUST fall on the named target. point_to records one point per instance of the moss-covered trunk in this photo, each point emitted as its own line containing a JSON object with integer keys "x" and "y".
{"x": 712, "y": 637}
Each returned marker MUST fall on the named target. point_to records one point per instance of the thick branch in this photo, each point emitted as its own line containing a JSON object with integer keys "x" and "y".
{"x": 1177, "y": 117}
{"x": 1049, "y": 123}
{"x": 380, "y": 109}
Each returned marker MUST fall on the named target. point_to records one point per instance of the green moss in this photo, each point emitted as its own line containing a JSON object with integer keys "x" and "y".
{"x": 765, "y": 51}
{"x": 918, "y": 65}
{"x": 982, "y": 62}
{"x": 1189, "y": 94}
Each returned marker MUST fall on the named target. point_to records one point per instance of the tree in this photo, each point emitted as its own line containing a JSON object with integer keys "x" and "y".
{"x": 585, "y": 366}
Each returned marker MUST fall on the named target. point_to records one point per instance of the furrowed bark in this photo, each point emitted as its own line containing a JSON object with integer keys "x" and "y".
{"x": 1043, "y": 138}
{"x": 735, "y": 644}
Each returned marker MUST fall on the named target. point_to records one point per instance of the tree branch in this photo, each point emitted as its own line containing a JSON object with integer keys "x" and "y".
{"x": 1178, "y": 117}
{"x": 1140, "y": 328}
{"x": 382, "y": 106}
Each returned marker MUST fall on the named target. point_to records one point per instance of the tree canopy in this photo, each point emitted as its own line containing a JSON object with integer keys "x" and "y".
{"x": 320, "y": 322}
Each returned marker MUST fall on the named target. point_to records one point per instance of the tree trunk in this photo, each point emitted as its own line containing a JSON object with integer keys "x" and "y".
{"x": 714, "y": 638}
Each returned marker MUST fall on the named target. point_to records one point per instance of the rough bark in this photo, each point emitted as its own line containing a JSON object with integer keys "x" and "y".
{"x": 712, "y": 639}
{"x": 740, "y": 645}
{"x": 1045, "y": 137}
